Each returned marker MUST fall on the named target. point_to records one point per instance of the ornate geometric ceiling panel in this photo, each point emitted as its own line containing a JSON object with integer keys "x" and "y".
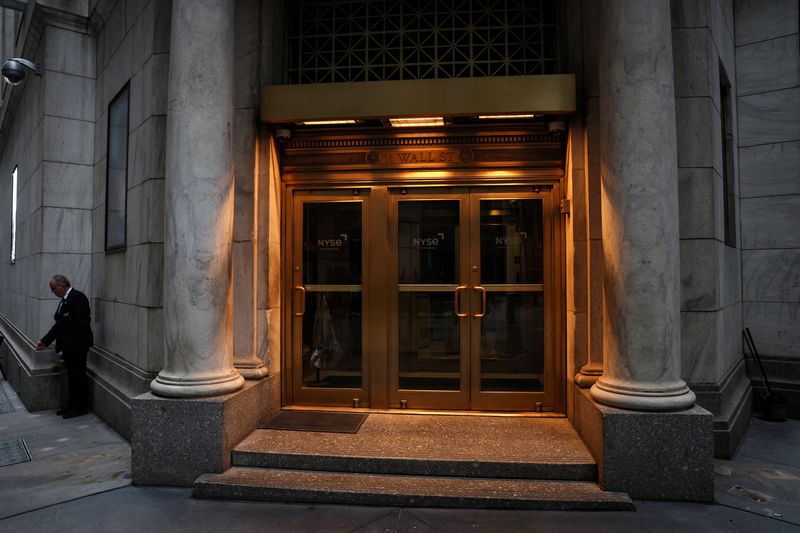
{"x": 370, "y": 40}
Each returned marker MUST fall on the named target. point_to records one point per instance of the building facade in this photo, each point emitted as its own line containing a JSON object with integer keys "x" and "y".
{"x": 595, "y": 199}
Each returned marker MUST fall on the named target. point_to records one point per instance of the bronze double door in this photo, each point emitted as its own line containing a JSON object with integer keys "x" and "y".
{"x": 427, "y": 298}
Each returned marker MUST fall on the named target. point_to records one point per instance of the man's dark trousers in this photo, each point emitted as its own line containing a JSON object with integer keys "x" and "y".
{"x": 75, "y": 361}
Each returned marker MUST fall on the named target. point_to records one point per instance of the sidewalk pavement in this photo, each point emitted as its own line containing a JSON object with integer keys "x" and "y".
{"x": 79, "y": 480}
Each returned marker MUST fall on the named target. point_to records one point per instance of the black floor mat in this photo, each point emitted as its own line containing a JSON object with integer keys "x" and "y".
{"x": 317, "y": 421}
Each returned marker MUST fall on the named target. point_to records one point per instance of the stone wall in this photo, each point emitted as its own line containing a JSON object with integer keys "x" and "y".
{"x": 768, "y": 97}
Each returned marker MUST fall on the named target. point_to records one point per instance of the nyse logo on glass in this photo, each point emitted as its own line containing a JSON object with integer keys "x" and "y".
{"x": 336, "y": 242}
{"x": 503, "y": 242}
{"x": 427, "y": 243}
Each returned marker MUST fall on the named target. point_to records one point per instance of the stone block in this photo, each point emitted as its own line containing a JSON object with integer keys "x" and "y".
{"x": 174, "y": 441}
{"x": 69, "y": 52}
{"x": 729, "y": 349}
{"x": 760, "y": 20}
{"x": 135, "y": 108}
{"x": 699, "y": 274}
{"x": 133, "y": 10}
{"x": 689, "y": 14}
{"x": 76, "y": 267}
{"x": 155, "y": 74}
{"x": 770, "y": 222}
{"x": 649, "y": 455}
{"x": 151, "y": 339}
{"x": 591, "y": 45}
{"x": 244, "y": 139}
{"x": 768, "y": 65}
{"x": 80, "y": 107}
{"x": 147, "y": 152}
{"x": 151, "y": 31}
{"x": 67, "y": 185}
{"x": 29, "y": 235}
{"x": 692, "y": 56}
{"x": 243, "y": 298}
{"x": 699, "y": 338}
{"x": 775, "y": 326}
{"x": 730, "y": 275}
{"x": 142, "y": 277}
{"x": 247, "y": 42}
{"x": 699, "y": 200}
{"x": 118, "y": 328}
{"x": 68, "y": 141}
{"x": 146, "y": 213}
{"x": 771, "y": 275}
{"x": 721, "y": 26}
{"x": 769, "y": 169}
{"x": 769, "y": 117}
{"x": 695, "y": 131}
{"x": 66, "y": 230}
{"x": 115, "y": 74}
{"x": 271, "y": 355}
{"x": 112, "y": 35}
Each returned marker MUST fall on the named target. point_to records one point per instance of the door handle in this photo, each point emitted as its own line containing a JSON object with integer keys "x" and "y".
{"x": 458, "y": 301}
{"x": 303, "y": 299}
{"x": 483, "y": 301}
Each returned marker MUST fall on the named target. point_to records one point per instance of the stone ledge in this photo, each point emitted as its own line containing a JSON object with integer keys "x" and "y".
{"x": 174, "y": 441}
{"x": 649, "y": 455}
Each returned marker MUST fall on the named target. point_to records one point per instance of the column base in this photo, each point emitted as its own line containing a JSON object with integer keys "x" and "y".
{"x": 176, "y": 440}
{"x": 649, "y": 455}
{"x": 588, "y": 375}
{"x": 171, "y": 387}
{"x": 676, "y": 398}
{"x": 256, "y": 372}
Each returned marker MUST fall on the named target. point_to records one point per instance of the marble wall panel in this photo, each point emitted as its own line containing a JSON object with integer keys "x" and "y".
{"x": 113, "y": 284}
{"x": 118, "y": 329}
{"x": 58, "y": 86}
{"x": 591, "y": 14}
{"x": 699, "y": 340}
{"x": 66, "y": 230}
{"x": 133, "y": 9}
{"x": 699, "y": 275}
{"x": 577, "y": 222}
{"x": 98, "y": 229}
{"x": 155, "y": 74}
{"x": 243, "y": 298}
{"x": 768, "y": 65}
{"x": 692, "y": 56}
{"x": 244, "y": 143}
{"x": 33, "y": 152}
{"x": 147, "y": 151}
{"x": 771, "y": 275}
{"x": 689, "y": 13}
{"x": 68, "y": 141}
{"x": 577, "y": 295}
{"x": 151, "y": 339}
{"x": 262, "y": 338}
{"x": 100, "y": 137}
{"x": 29, "y": 235}
{"x": 69, "y": 52}
{"x": 144, "y": 279}
{"x": 135, "y": 107}
{"x": 759, "y": 20}
{"x": 115, "y": 74}
{"x": 29, "y": 194}
{"x": 76, "y": 267}
{"x": 273, "y": 350}
{"x": 775, "y": 326}
{"x": 729, "y": 349}
{"x": 151, "y": 30}
{"x": 698, "y": 202}
{"x": 577, "y": 340}
{"x": 112, "y": 35}
{"x": 247, "y": 44}
{"x": 770, "y": 222}
{"x": 769, "y": 117}
{"x": 721, "y": 25}
{"x": 67, "y": 185}
{"x": 770, "y": 169}
{"x": 695, "y": 131}
{"x": 730, "y": 275}
{"x": 146, "y": 213}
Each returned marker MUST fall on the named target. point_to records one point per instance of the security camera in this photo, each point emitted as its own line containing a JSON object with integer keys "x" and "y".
{"x": 283, "y": 134}
{"x": 556, "y": 126}
{"x": 14, "y": 70}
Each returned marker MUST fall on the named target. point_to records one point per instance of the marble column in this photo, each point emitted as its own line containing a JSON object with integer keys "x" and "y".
{"x": 641, "y": 340}
{"x": 198, "y": 292}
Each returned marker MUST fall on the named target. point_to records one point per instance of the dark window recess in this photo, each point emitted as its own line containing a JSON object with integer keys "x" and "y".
{"x": 368, "y": 40}
{"x": 728, "y": 180}
{"x": 117, "y": 171}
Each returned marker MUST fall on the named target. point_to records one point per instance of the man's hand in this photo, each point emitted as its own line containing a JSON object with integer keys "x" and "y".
{"x": 39, "y": 346}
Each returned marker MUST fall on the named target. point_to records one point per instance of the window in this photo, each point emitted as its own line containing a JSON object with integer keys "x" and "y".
{"x": 14, "y": 215}
{"x": 117, "y": 171}
{"x": 728, "y": 189}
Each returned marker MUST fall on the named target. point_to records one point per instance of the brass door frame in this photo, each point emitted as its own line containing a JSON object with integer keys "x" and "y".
{"x": 378, "y": 370}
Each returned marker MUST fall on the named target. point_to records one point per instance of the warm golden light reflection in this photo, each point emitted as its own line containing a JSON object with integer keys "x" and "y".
{"x": 492, "y": 117}
{"x": 326, "y": 122}
{"x": 418, "y": 121}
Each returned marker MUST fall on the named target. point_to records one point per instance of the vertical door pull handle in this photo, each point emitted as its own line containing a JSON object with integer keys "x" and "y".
{"x": 483, "y": 301}
{"x": 302, "y": 290}
{"x": 458, "y": 301}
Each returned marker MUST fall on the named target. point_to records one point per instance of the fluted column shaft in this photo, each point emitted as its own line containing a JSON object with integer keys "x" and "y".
{"x": 641, "y": 341}
{"x": 198, "y": 294}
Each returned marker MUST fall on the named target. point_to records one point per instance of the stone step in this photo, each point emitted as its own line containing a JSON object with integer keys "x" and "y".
{"x": 260, "y": 484}
{"x": 320, "y": 461}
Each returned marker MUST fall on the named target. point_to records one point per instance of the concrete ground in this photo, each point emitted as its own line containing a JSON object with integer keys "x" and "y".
{"x": 79, "y": 480}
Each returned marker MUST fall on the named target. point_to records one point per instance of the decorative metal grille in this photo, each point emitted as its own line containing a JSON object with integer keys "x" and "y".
{"x": 370, "y": 40}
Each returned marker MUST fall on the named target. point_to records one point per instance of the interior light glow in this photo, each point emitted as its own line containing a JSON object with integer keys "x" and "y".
{"x": 504, "y": 117}
{"x": 418, "y": 121}
{"x": 326, "y": 122}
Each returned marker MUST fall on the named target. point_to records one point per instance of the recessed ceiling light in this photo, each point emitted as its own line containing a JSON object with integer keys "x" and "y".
{"x": 326, "y": 122}
{"x": 419, "y": 121}
{"x": 491, "y": 117}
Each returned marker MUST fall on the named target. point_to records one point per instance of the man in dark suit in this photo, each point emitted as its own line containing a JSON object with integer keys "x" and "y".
{"x": 73, "y": 335}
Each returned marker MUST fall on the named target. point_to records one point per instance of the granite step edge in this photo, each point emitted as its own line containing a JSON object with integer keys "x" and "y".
{"x": 564, "y": 471}
{"x": 302, "y": 486}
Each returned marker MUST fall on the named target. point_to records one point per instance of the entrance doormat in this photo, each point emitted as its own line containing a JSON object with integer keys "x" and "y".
{"x": 13, "y": 452}
{"x": 321, "y": 421}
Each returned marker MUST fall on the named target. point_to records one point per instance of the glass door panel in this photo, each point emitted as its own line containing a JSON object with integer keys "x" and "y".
{"x": 327, "y": 302}
{"x": 428, "y": 344}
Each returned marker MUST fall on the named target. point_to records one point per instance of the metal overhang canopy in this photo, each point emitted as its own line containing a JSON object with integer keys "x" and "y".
{"x": 544, "y": 94}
